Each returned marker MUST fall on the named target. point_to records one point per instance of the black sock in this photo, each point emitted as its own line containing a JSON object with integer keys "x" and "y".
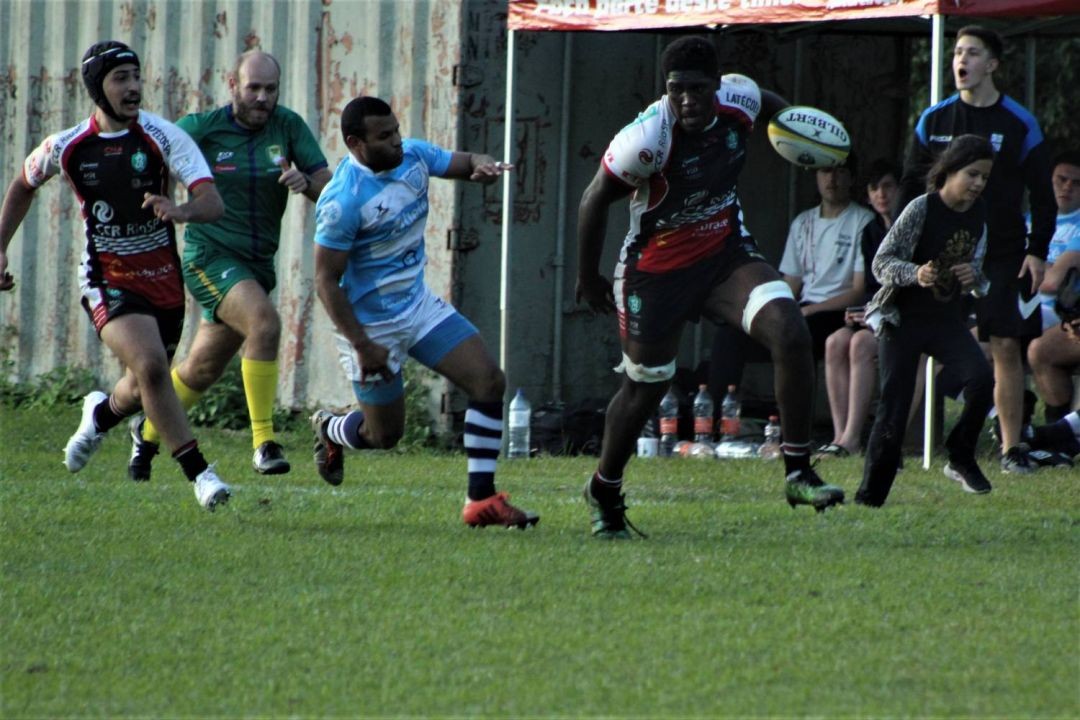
{"x": 605, "y": 491}
{"x": 191, "y": 460}
{"x": 105, "y": 415}
{"x": 796, "y": 457}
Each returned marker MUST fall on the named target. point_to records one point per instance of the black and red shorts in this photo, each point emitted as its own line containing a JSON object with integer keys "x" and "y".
{"x": 116, "y": 302}
{"x": 654, "y": 305}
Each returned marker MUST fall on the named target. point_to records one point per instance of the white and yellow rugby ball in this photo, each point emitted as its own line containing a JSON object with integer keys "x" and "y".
{"x": 809, "y": 137}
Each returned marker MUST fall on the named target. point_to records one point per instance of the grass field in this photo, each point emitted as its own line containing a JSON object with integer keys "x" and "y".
{"x": 372, "y": 599}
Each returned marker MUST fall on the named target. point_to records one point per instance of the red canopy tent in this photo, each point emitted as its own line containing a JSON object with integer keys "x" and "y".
{"x": 645, "y": 15}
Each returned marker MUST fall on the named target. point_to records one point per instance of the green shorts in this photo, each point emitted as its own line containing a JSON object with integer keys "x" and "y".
{"x": 210, "y": 272}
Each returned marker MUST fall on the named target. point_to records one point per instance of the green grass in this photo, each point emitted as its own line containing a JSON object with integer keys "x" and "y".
{"x": 373, "y": 599}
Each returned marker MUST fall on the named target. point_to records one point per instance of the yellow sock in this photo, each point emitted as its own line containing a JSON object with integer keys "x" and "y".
{"x": 188, "y": 398}
{"x": 260, "y": 387}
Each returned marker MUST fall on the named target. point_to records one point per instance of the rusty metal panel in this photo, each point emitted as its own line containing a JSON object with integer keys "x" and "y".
{"x": 330, "y": 51}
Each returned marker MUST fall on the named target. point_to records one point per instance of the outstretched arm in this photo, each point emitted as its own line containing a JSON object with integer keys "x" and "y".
{"x": 476, "y": 167}
{"x": 592, "y": 288}
{"x": 16, "y": 205}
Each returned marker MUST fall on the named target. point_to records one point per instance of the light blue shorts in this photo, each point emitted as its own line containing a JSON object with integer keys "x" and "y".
{"x": 427, "y": 333}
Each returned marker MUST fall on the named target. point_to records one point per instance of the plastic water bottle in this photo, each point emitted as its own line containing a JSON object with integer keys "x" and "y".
{"x": 669, "y": 423}
{"x": 520, "y": 417}
{"x": 703, "y": 416}
{"x": 729, "y": 415}
{"x": 770, "y": 449}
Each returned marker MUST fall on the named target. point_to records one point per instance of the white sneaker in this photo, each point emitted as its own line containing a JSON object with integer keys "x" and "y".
{"x": 210, "y": 491}
{"x": 86, "y": 439}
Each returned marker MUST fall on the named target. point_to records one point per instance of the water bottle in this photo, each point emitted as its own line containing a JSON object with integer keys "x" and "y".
{"x": 703, "y": 416}
{"x": 770, "y": 449}
{"x": 520, "y": 417}
{"x": 669, "y": 423}
{"x": 729, "y": 415}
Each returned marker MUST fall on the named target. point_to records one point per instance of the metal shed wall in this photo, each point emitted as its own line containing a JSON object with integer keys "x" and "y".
{"x": 331, "y": 50}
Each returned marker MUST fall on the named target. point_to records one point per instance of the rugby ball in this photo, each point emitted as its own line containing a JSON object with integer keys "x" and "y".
{"x": 808, "y": 137}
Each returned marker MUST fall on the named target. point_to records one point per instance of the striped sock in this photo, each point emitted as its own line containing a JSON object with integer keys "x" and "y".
{"x": 106, "y": 416}
{"x": 345, "y": 430}
{"x": 796, "y": 456}
{"x": 604, "y": 490}
{"x": 483, "y": 440}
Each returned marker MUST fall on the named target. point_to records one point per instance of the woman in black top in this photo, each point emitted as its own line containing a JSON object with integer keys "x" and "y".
{"x": 929, "y": 259}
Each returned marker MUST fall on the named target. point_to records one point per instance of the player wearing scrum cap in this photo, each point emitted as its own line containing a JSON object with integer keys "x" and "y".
{"x": 119, "y": 162}
{"x": 259, "y": 152}
{"x": 688, "y": 254}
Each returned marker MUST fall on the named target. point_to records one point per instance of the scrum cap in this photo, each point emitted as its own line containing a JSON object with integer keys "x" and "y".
{"x": 96, "y": 64}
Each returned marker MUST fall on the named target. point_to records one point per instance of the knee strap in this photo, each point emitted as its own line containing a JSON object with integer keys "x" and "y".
{"x": 644, "y": 374}
{"x": 762, "y": 294}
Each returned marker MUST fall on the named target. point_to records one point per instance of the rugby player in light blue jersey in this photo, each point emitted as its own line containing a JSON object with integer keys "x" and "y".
{"x": 369, "y": 275}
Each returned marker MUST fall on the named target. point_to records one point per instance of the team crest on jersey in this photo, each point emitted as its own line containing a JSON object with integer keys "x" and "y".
{"x": 414, "y": 178}
{"x": 634, "y": 303}
{"x": 275, "y": 153}
{"x": 996, "y": 139}
{"x": 138, "y": 161}
{"x": 732, "y": 139}
{"x": 329, "y": 213}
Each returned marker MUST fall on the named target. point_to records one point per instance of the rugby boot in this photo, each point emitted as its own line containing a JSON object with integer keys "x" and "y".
{"x": 497, "y": 510}
{"x": 329, "y": 456}
{"x": 210, "y": 491}
{"x": 142, "y": 451}
{"x": 86, "y": 439}
{"x": 609, "y": 521}
{"x": 269, "y": 459}
{"x": 804, "y": 487}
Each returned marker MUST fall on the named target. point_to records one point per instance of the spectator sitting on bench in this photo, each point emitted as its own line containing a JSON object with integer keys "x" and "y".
{"x": 851, "y": 351}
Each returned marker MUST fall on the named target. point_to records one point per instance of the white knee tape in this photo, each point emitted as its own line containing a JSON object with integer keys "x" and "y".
{"x": 643, "y": 374}
{"x": 762, "y": 294}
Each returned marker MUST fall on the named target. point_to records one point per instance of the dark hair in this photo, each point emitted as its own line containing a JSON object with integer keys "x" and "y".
{"x": 962, "y": 151}
{"x": 1069, "y": 157}
{"x": 98, "y": 61}
{"x": 990, "y": 38}
{"x": 879, "y": 169}
{"x": 352, "y": 117}
{"x": 851, "y": 164}
{"x": 691, "y": 52}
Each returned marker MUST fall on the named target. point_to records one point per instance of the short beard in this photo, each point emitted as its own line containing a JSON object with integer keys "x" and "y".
{"x": 243, "y": 114}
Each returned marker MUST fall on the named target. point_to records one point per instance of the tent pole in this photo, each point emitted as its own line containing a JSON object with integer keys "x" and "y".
{"x": 559, "y": 262}
{"x": 507, "y": 207}
{"x": 937, "y": 44}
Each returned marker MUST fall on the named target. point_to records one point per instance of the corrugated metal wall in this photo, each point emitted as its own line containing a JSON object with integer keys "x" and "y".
{"x": 330, "y": 51}
{"x": 441, "y": 64}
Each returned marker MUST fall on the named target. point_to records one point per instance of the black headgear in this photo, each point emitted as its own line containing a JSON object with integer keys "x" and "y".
{"x": 96, "y": 64}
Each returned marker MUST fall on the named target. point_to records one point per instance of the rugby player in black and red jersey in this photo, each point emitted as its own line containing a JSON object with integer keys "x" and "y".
{"x": 688, "y": 254}
{"x": 119, "y": 162}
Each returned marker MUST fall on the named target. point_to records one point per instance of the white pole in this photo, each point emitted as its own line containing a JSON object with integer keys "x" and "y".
{"x": 507, "y": 207}
{"x": 559, "y": 262}
{"x": 937, "y": 45}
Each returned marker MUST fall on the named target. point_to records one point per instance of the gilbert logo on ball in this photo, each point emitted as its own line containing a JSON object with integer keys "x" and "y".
{"x": 809, "y": 137}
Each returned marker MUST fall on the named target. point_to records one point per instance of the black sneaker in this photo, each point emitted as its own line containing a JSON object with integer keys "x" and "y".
{"x": 1016, "y": 462}
{"x": 969, "y": 476}
{"x": 1049, "y": 458}
{"x": 142, "y": 451}
{"x": 269, "y": 459}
